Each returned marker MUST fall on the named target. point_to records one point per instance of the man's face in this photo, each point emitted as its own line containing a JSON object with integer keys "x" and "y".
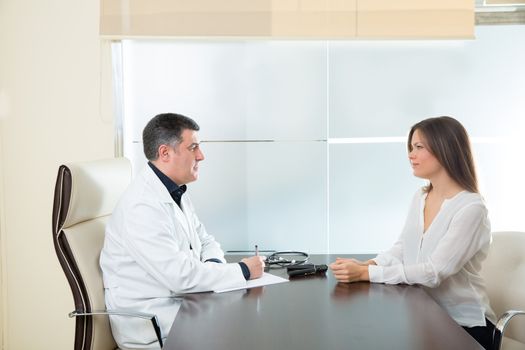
{"x": 183, "y": 162}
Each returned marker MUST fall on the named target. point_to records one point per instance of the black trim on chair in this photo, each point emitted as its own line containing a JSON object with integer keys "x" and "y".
{"x": 62, "y": 198}
{"x": 83, "y": 325}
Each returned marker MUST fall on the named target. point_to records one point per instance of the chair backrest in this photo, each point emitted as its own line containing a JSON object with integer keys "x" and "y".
{"x": 85, "y": 195}
{"x": 504, "y": 273}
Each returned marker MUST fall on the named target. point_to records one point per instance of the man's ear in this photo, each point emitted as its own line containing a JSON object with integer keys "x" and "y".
{"x": 164, "y": 154}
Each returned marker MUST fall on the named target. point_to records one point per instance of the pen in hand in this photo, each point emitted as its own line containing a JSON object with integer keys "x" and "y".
{"x": 256, "y": 250}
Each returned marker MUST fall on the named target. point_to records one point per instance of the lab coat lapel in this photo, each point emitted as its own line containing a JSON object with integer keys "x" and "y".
{"x": 187, "y": 212}
{"x": 182, "y": 219}
{"x": 165, "y": 198}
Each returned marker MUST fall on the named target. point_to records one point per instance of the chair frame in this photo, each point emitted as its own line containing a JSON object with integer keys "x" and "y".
{"x": 83, "y": 312}
{"x": 501, "y": 325}
{"x": 491, "y": 269}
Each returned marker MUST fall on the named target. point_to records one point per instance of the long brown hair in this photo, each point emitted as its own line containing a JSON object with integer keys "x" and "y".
{"x": 448, "y": 141}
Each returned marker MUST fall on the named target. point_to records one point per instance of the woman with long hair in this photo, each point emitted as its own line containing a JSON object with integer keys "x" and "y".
{"x": 446, "y": 234}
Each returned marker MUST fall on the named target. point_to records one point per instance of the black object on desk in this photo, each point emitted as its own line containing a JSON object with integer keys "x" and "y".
{"x": 305, "y": 270}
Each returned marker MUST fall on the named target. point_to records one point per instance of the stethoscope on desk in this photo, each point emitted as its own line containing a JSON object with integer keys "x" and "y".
{"x": 286, "y": 259}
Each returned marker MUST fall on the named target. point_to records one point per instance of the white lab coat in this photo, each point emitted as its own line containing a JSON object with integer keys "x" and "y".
{"x": 147, "y": 260}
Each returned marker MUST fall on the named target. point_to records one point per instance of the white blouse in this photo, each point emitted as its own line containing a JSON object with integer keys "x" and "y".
{"x": 446, "y": 259}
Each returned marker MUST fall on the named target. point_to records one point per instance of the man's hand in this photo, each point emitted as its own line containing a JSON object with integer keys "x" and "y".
{"x": 255, "y": 265}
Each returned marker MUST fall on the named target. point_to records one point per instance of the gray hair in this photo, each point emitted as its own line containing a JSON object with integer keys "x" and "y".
{"x": 165, "y": 129}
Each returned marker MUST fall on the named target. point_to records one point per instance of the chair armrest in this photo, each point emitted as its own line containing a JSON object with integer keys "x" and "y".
{"x": 501, "y": 325}
{"x": 151, "y": 317}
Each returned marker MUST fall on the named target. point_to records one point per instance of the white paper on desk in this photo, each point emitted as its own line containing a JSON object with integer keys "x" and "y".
{"x": 264, "y": 280}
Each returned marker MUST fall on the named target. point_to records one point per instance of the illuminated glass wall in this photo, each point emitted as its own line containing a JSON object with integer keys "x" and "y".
{"x": 305, "y": 140}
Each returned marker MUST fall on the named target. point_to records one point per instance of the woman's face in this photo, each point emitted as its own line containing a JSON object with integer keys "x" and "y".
{"x": 424, "y": 164}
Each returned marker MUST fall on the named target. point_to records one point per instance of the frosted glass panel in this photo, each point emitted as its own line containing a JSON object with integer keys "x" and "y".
{"x": 336, "y": 196}
{"x": 271, "y": 194}
{"x": 371, "y": 186}
{"x": 219, "y": 195}
{"x": 235, "y": 90}
{"x": 501, "y": 171}
{"x": 380, "y": 88}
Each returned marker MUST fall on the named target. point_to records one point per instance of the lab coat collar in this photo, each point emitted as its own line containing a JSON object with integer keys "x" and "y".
{"x": 183, "y": 214}
{"x": 174, "y": 190}
{"x": 160, "y": 191}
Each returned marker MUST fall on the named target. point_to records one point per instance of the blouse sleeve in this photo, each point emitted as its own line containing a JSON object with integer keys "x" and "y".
{"x": 468, "y": 232}
{"x": 393, "y": 256}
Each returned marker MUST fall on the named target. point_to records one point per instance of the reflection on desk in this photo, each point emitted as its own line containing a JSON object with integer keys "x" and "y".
{"x": 316, "y": 312}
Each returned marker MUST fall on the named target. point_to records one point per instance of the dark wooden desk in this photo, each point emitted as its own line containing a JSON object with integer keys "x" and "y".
{"x": 316, "y": 312}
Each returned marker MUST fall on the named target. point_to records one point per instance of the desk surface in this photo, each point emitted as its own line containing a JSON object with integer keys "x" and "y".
{"x": 316, "y": 312}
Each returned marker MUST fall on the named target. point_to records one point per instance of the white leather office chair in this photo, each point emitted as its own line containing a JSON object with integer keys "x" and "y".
{"x": 85, "y": 195}
{"x": 504, "y": 273}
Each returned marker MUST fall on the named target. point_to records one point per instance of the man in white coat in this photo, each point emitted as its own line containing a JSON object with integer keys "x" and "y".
{"x": 155, "y": 247}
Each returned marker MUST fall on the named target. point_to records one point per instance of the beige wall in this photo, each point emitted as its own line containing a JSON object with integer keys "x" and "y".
{"x": 50, "y": 113}
{"x": 2, "y": 230}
